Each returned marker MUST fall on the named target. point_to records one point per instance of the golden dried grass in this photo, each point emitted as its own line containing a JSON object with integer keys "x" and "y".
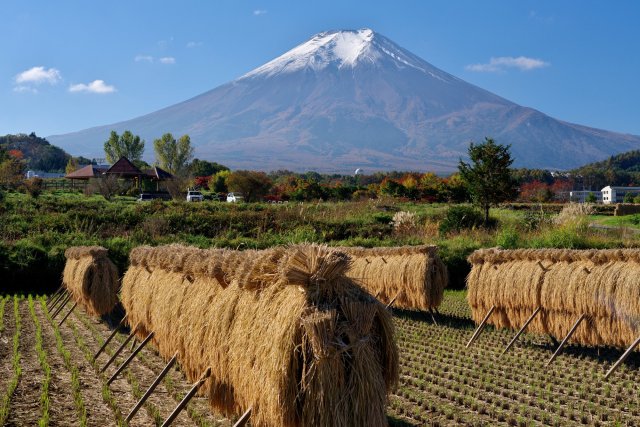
{"x": 416, "y": 274}
{"x": 286, "y": 333}
{"x": 91, "y": 279}
{"x": 603, "y": 284}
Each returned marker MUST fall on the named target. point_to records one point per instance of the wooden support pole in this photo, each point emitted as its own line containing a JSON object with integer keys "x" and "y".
{"x": 130, "y": 358}
{"x": 244, "y": 419}
{"x": 433, "y": 317}
{"x": 521, "y": 330}
{"x": 55, "y": 294}
{"x": 113, "y": 334}
{"x": 187, "y": 398}
{"x": 480, "y": 327}
{"x": 564, "y": 341}
{"x": 67, "y": 315}
{"x": 152, "y": 387}
{"x": 394, "y": 299}
{"x": 623, "y": 357}
{"x": 122, "y": 346}
{"x": 57, "y": 301}
{"x": 60, "y": 307}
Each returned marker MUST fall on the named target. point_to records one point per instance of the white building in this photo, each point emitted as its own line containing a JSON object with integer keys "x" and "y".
{"x": 580, "y": 196}
{"x": 616, "y": 194}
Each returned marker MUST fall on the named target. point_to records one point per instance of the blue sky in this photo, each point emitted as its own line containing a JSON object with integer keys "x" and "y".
{"x": 69, "y": 65}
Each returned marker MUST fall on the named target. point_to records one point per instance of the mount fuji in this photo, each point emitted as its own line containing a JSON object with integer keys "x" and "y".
{"x": 354, "y": 99}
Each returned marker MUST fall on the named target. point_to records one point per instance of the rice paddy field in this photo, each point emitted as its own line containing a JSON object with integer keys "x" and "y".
{"x": 48, "y": 375}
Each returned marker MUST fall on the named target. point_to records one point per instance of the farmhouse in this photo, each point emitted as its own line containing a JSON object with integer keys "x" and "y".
{"x": 123, "y": 169}
{"x": 580, "y": 196}
{"x": 611, "y": 194}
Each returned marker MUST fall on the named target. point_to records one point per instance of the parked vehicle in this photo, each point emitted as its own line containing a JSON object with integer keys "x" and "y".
{"x": 194, "y": 196}
{"x": 144, "y": 197}
{"x": 234, "y": 198}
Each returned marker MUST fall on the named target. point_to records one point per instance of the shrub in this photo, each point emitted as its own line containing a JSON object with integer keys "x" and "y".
{"x": 508, "y": 238}
{"x": 404, "y": 222}
{"x": 33, "y": 186}
{"x": 460, "y": 218}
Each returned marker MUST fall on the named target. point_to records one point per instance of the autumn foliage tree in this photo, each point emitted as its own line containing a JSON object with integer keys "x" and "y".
{"x": 251, "y": 184}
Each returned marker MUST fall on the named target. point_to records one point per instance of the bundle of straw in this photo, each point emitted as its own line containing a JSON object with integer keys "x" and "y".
{"x": 603, "y": 284}
{"x": 91, "y": 279}
{"x": 284, "y": 331}
{"x": 415, "y": 274}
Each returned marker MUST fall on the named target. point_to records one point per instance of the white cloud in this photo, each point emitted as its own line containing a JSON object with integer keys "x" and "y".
{"x": 167, "y": 60}
{"x": 259, "y": 12}
{"x": 96, "y": 86}
{"x": 24, "y": 89}
{"x": 39, "y": 75}
{"x": 497, "y": 64}
{"x": 143, "y": 58}
{"x": 193, "y": 44}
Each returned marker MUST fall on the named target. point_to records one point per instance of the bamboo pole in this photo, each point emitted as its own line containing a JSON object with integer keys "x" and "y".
{"x": 122, "y": 346}
{"x": 113, "y": 334}
{"x": 521, "y": 330}
{"x": 152, "y": 387}
{"x": 58, "y": 300}
{"x": 433, "y": 317}
{"x": 622, "y": 358}
{"x": 243, "y": 419}
{"x": 59, "y": 309}
{"x": 564, "y": 341}
{"x": 394, "y": 299}
{"x": 480, "y": 327}
{"x": 187, "y": 398}
{"x": 130, "y": 358}
{"x": 75, "y": 304}
{"x": 55, "y": 294}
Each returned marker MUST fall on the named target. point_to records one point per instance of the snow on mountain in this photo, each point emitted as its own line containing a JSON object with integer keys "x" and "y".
{"x": 349, "y": 99}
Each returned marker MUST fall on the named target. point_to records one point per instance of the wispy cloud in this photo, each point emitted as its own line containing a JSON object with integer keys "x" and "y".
{"x": 96, "y": 86}
{"x": 143, "y": 58}
{"x": 25, "y": 89}
{"x": 167, "y": 60}
{"x": 501, "y": 63}
{"x": 548, "y": 19}
{"x": 38, "y": 75}
{"x": 193, "y": 44}
{"x": 163, "y": 44}
{"x": 259, "y": 12}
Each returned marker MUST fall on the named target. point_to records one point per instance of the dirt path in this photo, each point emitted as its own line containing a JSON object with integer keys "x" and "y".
{"x": 25, "y": 405}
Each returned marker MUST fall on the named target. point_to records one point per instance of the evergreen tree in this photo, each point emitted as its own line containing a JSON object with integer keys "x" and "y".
{"x": 488, "y": 177}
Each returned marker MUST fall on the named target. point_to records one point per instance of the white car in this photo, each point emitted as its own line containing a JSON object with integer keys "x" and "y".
{"x": 194, "y": 196}
{"x": 234, "y": 198}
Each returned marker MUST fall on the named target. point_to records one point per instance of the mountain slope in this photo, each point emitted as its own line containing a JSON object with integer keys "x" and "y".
{"x": 348, "y": 99}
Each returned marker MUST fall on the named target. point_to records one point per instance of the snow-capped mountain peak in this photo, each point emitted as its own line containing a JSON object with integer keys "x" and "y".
{"x": 346, "y": 48}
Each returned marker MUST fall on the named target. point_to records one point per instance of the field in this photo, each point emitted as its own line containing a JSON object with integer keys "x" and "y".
{"x": 48, "y": 376}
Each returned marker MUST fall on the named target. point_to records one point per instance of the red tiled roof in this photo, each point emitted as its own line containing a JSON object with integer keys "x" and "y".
{"x": 124, "y": 167}
{"x": 158, "y": 174}
{"x": 89, "y": 171}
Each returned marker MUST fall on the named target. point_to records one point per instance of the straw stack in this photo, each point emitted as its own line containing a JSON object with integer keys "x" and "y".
{"x": 603, "y": 284}
{"x": 284, "y": 331}
{"x": 415, "y": 274}
{"x": 91, "y": 279}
